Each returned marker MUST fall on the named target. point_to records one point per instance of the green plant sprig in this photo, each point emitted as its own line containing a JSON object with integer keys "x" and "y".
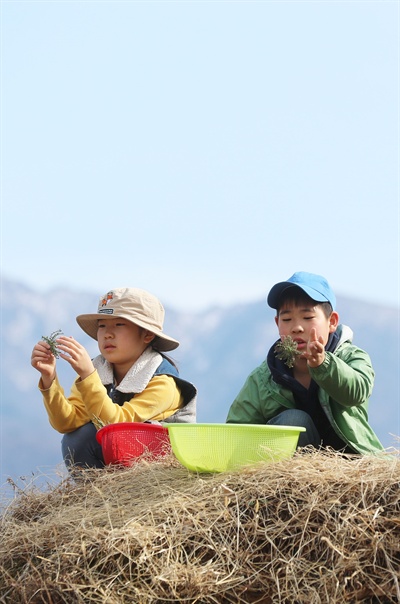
{"x": 286, "y": 351}
{"x": 98, "y": 422}
{"x": 51, "y": 341}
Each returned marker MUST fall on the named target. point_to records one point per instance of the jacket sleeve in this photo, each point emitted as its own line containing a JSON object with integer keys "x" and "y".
{"x": 89, "y": 398}
{"x": 160, "y": 399}
{"x": 347, "y": 377}
{"x": 65, "y": 413}
{"x": 247, "y": 408}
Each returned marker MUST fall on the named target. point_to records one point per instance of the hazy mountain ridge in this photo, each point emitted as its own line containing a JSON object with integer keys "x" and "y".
{"x": 219, "y": 347}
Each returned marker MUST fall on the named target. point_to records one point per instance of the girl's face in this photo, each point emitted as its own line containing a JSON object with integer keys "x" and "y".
{"x": 122, "y": 342}
{"x": 297, "y": 320}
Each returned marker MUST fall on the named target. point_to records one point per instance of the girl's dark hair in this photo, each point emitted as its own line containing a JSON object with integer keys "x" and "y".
{"x": 165, "y": 356}
{"x": 297, "y": 296}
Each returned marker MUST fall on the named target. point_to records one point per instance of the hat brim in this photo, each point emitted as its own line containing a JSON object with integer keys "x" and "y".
{"x": 161, "y": 342}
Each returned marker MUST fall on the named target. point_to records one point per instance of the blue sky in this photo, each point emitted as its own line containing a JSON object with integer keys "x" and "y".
{"x": 201, "y": 150}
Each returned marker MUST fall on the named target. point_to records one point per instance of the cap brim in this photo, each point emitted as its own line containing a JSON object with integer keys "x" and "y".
{"x": 276, "y": 292}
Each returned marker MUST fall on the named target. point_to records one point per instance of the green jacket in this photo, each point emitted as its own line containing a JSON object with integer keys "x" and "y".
{"x": 345, "y": 381}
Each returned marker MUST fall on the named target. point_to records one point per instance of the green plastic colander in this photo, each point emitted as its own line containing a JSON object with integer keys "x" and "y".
{"x": 223, "y": 447}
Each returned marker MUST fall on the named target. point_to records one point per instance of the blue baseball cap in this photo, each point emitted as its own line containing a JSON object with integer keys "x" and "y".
{"x": 315, "y": 286}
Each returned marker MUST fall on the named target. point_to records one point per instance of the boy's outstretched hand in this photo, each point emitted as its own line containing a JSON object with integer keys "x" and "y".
{"x": 315, "y": 353}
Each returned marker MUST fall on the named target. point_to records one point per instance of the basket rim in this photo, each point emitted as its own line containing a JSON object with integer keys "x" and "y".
{"x": 118, "y": 426}
{"x": 266, "y": 427}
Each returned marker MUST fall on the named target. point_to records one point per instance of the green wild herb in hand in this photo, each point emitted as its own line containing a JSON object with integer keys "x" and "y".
{"x": 98, "y": 422}
{"x": 286, "y": 351}
{"x": 51, "y": 341}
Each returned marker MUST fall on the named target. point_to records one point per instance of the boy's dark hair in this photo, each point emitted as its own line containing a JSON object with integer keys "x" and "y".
{"x": 297, "y": 296}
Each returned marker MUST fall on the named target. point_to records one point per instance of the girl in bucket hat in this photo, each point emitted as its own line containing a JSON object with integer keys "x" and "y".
{"x": 131, "y": 380}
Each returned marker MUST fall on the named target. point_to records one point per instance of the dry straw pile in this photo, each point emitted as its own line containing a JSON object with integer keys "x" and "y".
{"x": 318, "y": 528}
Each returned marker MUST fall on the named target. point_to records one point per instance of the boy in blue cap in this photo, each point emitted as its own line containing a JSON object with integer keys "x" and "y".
{"x": 325, "y": 386}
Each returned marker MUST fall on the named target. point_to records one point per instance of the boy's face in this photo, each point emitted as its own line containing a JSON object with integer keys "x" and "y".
{"x": 121, "y": 342}
{"x": 297, "y": 320}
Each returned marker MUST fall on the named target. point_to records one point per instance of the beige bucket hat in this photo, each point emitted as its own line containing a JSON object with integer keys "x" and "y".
{"x": 135, "y": 305}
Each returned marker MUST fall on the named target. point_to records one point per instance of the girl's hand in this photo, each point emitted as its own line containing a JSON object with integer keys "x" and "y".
{"x": 315, "y": 353}
{"x": 44, "y": 361}
{"x": 76, "y": 355}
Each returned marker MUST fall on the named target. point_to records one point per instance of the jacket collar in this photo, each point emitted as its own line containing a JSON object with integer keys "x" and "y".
{"x": 138, "y": 375}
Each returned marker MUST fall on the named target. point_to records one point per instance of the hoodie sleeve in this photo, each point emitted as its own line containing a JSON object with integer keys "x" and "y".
{"x": 254, "y": 404}
{"x": 346, "y": 376}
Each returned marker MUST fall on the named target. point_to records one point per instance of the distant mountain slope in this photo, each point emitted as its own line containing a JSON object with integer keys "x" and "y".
{"x": 219, "y": 347}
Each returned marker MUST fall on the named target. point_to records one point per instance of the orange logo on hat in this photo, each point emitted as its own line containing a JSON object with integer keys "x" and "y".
{"x": 107, "y": 298}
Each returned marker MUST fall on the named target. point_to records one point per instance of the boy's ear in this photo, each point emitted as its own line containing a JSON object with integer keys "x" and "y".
{"x": 333, "y": 321}
{"x": 277, "y": 320}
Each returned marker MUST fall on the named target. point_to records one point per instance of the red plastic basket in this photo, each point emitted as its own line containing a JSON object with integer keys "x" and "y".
{"x": 124, "y": 442}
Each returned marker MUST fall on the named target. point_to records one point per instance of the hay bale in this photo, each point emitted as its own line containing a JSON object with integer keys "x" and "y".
{"x": 317, "y": 528}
